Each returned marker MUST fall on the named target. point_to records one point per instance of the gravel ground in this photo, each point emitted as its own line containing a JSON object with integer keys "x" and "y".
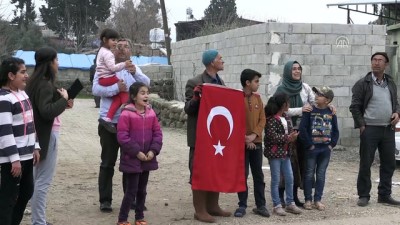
{"x": 73, "y": 197}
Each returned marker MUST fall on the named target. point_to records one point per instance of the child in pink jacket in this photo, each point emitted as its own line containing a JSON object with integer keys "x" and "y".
{"x": 106, "y": 69}
{"x": 140, "y": 137}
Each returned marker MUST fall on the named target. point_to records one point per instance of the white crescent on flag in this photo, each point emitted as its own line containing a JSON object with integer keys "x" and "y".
{"x": 220, "y": 110}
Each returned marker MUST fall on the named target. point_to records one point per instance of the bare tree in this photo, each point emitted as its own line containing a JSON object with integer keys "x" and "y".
{"x": 134, "y": 19}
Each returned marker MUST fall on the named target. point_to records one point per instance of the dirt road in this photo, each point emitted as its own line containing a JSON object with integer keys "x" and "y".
{"x": 73, "y": 198}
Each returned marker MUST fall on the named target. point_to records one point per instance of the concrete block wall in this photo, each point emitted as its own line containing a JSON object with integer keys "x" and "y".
{"x": 331, "y": 54}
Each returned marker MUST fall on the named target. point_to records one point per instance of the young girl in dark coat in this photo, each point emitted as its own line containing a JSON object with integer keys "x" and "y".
{"x": 278, "y": 141}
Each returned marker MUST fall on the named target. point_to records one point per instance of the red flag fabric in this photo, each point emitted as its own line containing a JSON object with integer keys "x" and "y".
{"x": 218, "y": 163}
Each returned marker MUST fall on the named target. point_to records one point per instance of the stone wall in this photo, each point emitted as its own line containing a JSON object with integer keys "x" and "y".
{"x": 160, "y": 76}
{"x": 331, "y": 54}
{"x": 170, "y": 113}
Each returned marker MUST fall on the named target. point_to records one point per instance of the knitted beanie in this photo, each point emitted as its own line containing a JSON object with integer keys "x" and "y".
{"x": 209, "y": 56}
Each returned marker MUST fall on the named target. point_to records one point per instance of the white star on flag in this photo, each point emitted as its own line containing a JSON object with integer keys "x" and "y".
{"x": 219, "y": 148}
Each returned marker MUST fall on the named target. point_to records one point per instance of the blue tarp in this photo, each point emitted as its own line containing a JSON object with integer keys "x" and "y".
{"x": 83, "y": 62}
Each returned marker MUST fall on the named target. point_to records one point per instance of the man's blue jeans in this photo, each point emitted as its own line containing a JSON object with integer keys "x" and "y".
{"x": 317, "y": 161}
{"x": 278, "y": 166}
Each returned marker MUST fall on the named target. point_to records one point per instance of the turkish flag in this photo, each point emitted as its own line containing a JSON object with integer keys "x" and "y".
{"x": 218, "y": 163}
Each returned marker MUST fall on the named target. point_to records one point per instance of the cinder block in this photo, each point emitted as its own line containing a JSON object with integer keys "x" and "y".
{"x": 306, "y": 69}
{"x": 341, "y": 111}
{"x": 351, "y": 80}
{"x": 355, "y": 133}
{"x": 282, "y": 48}
{"x": 333, "y": 80}
{"x": 344, "y": 102}
{"x": 321, "y": 49}
{"x": 379, "y": 29}
{"x": 334, "y": 60}
{"x": 361, "y": 49}
{"x": 278, "y": 27}
{"x": 257, "y": 39}
{"x": 360, "y": 71}
{"x": 341, "y": 29}
{"x": 357, "y": 39}
{"x": 295, "y": 38}
{"x": 246, "y": 50}
{"x": 341, "y": 91}
{"x": 348, "y": 123}
{"x": 321, "y": 28}
{"x": 302, "y": 28}
{"x": 361, "y": 29}
{"x": 231, "y": 42}
{"x": 315, "y": 39}
{"x": 275, "y": 69}
{"x": 375, "y": 40}
{"x": 314, "y": 80}
{"x": 314, "y": 60}
{"x": 354, "y": 60}
{"x": 378, "y": 48}
{"x": 337, "y": 40}
{"x": 301, "y": 49}
{"x": 339, "y": 70}
{"x": 288, "y": 57}
{"x": 339, "y": 50}
{"x": 260, "y": 49}
{"x": 349, "y": 141}
{"x": 320, "y": 70}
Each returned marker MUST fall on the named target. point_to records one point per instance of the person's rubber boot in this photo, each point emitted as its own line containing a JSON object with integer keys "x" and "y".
{"x": 213, "y": 207}
{"x": 199, "y": 203}
{"x": 296, "y": 198}
{"x": 282, "y": 197}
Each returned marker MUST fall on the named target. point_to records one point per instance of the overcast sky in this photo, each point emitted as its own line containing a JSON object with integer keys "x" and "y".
{"x": 290, "y": 11}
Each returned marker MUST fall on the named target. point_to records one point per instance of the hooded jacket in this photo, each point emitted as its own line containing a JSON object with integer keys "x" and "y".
{"x": 138, "y": 133}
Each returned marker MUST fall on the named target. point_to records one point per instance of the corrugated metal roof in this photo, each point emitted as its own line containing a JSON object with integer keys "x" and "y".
{"x": 363, "y": 2}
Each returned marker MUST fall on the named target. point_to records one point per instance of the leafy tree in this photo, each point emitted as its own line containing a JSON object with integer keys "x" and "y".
{"x": 28, "y": 39}
{"x": 221, "y": 12}
{"x": 75, "y": 19}
{"x": 135, "y": 19}
{"x": 24, "y": 13}
{"x": 220, "y": 16}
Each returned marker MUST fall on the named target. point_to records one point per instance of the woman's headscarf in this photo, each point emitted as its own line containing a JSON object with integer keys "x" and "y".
{"x": 291, "y": 87}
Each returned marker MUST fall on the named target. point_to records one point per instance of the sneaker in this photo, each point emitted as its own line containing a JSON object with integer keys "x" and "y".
{"x": 307, "y": 205}
{"x": 319, "y": 206}
{"x": 108, "y": 125}
{"x": 105, "y": 207}
{"x": 262, "y": 211}
{"x": 140, "y": 222}
{"x": 363, "y": 201}
{"x": 279, "y": 211}
{"x": 240, "y": 212}
{"x": 292, "y": 208}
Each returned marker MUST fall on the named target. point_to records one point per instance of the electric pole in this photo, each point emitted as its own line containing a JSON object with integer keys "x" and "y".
{"x": 166, "y": 31}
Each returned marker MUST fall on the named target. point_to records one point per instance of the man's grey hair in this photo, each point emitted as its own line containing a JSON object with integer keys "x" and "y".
{"x": 127, "y": 40}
